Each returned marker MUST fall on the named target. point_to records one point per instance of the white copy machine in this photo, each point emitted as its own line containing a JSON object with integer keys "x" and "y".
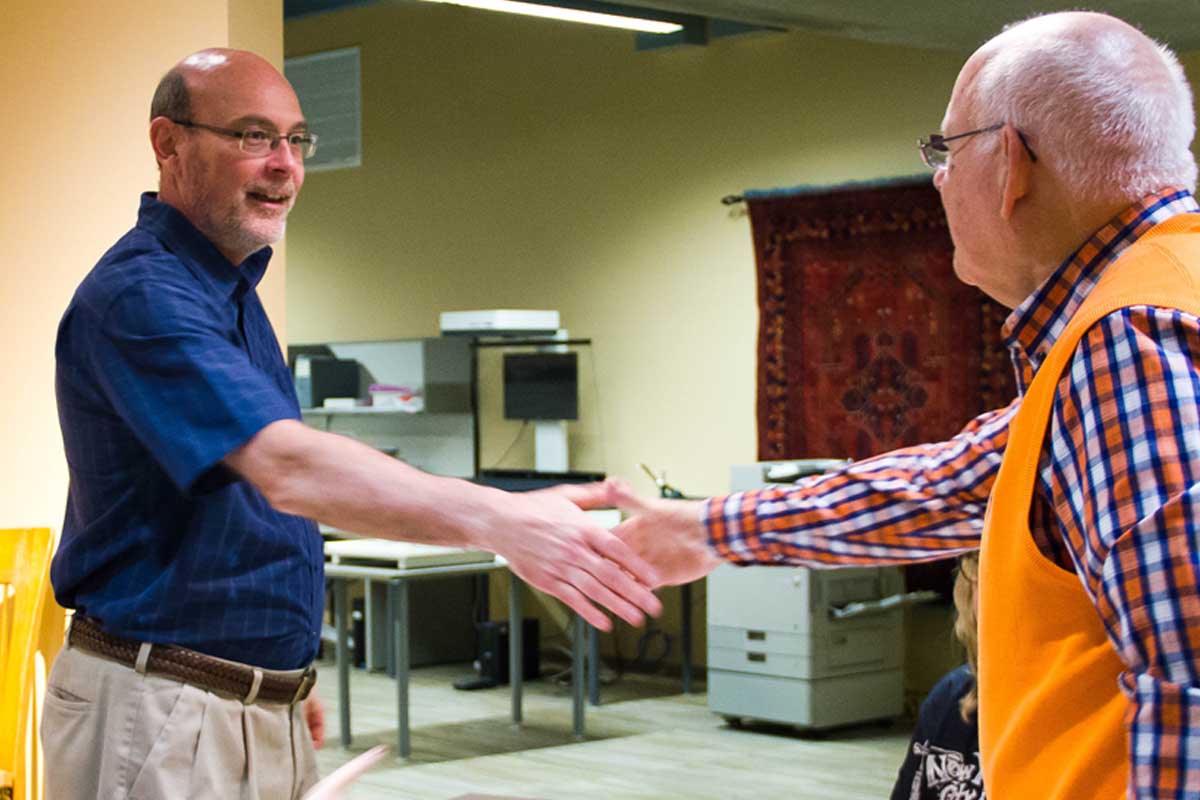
{"x": 813, "y": 648}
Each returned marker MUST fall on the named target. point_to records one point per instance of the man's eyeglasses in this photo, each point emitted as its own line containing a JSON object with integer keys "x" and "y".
{"x": 258, "y": 142}
{"x": 934, "y": 151}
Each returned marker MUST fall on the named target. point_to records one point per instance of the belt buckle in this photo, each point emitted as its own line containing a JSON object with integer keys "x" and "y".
{"x": 307, "y": 680}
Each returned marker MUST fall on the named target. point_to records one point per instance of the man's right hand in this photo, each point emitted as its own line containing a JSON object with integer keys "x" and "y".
{"x": 552, "y": 545}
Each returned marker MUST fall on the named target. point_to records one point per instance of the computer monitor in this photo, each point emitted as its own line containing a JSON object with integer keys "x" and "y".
{"x": 541, "y": 386}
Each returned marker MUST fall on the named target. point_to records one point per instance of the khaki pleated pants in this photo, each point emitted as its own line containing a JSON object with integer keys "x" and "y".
{"x": 110, "y": 732}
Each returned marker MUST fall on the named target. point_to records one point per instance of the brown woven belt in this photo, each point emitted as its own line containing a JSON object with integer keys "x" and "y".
{"x": 249, "y": 684}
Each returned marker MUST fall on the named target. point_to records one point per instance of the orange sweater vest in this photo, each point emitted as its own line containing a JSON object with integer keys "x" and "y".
{"x": 1052, "y": 718}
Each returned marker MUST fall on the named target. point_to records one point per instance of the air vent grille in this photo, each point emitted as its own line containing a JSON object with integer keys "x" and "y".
{"x": 329, "y": 86}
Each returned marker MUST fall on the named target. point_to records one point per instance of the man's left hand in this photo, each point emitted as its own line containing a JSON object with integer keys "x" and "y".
{"x": 669, "y": 534}
{"x": 314, "y": 716}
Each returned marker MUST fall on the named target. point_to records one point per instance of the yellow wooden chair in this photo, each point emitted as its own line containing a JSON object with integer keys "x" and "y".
{"x": 31, "y": 632}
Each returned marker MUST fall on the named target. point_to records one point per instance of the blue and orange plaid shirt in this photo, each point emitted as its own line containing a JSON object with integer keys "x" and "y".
{"x": 1117, "y": 502}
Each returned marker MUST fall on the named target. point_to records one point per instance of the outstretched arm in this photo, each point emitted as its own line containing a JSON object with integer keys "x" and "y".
{"x": 914, "y": 504}
{"x": 545, "y": 536}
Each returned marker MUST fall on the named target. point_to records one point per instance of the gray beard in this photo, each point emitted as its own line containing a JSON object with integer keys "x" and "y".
{"x": 238, "y": 237}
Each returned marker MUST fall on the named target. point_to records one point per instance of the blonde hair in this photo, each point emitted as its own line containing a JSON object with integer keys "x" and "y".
{"x": 966, "y": 626}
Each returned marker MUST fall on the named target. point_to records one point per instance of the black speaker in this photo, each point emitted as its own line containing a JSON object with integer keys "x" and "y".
{"x": 492, "y": 663}
{"x": 334, "y": 377}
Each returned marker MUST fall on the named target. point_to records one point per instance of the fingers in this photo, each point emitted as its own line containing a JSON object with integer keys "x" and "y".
{"x": 598, "y": 593}
{"x": 612, "y": 546}
{"x": 606, "y": 494}
{"x": 621, "y": 495}
{"x": 584, "y": 575}
{"x": 606, "y": 583}
{"x": 314, "y": 716}
{"x": 609, "y": 493}
{"x": 577, "y": 602}
{"x": 580, "y": 562}
{"x": 585, "y": 495}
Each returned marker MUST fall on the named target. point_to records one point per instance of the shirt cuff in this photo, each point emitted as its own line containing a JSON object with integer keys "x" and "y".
{"x": 732, "y": 524}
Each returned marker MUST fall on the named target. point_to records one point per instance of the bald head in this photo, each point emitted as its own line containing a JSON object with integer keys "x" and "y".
{"x": 1107, "y": 108}
{"x": 206, "y": 71}
{"x": 203, "y": 114}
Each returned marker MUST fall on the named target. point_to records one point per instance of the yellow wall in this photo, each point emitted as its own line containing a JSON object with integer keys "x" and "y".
{"x": 77, "y": 84}
{"x": 257, "y": 25}
{"x": 511, "y": 162}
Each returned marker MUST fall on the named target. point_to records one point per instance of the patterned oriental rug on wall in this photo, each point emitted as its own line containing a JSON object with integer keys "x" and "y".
{"x": 867, "y": 340}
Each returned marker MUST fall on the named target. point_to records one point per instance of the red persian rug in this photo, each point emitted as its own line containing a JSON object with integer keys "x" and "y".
{"x": 867, "y": 340}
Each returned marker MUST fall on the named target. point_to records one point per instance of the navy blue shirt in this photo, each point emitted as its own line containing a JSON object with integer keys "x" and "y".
{"x": 166, "y": 363}
{"x": 943, "y": 755}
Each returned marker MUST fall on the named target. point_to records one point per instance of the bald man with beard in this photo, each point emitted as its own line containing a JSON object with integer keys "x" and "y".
{"x": 1065, "y": 169}
{"x": 190, "y": 551}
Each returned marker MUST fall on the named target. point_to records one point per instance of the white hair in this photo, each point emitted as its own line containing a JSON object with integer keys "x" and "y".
{"x": 1105, "y": 107}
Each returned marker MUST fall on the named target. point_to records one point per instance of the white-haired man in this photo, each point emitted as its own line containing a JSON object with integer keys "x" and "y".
{"x": 1065, "y": 171}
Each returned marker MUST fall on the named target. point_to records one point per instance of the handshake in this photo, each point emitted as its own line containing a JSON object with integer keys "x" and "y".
{"x": 555, "y": 547}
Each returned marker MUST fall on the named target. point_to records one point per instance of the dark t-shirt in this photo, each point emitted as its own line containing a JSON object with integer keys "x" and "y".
{"x": 943, "y": 756}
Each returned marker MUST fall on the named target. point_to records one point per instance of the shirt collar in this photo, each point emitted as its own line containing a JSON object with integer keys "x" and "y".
{"x": 182, "y": 238}
{"x": 1035, "y": 325}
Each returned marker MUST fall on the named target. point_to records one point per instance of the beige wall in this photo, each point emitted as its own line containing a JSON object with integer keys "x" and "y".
{"x": 77, "y": 81}
{"x": 518, "y": 163}
{"x": 257, "y": 25}
{"x": 511, "y": 162}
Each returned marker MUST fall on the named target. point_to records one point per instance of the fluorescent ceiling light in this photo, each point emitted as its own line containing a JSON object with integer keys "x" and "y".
{"x": 569, "y": 14}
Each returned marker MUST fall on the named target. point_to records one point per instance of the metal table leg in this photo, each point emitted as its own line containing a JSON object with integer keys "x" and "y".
{"x": 341, "y": 614}
{"x": 593, "y": 665}
{"x": 685, "y": 597}
{"x": 400, "y": 629}
{"x": 578, "y": 657}
{"x": 516, "y": 649}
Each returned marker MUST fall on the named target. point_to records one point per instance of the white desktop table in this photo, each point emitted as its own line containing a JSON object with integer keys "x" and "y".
{"x": 397, "y": 579}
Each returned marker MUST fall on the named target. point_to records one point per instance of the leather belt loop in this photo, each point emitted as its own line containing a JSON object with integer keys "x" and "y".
{"x": 143, "y": 657}
{"x": 306, "y": 683}
{"x": 254, "y": 686}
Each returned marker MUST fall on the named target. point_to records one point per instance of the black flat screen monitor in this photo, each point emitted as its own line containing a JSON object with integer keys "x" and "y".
{"x": 541, "y": 386}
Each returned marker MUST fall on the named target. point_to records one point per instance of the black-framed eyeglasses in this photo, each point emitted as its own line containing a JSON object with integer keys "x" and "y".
{"x": 255, "y": 141}
{"x": 934, "y": 151}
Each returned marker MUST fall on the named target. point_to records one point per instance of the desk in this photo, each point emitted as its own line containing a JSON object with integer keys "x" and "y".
{"x": 397, "y": 580}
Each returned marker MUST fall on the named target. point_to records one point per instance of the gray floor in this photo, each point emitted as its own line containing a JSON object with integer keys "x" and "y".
{"x": 643, "y": 741}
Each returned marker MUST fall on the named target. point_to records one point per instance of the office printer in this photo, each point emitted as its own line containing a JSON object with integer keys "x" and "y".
{"x": 812, "y": 648}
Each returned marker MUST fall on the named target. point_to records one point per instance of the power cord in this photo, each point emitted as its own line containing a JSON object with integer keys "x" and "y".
{"x": 516, "y": 439}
